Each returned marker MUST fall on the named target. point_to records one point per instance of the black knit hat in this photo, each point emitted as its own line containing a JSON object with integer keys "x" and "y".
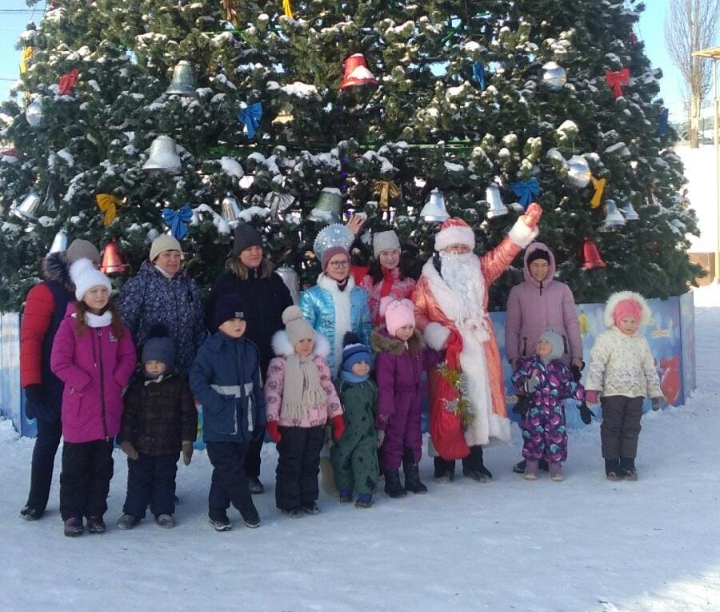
{"x": 538, "y": 254}
{"x": 246, "y": 236}
{"x": 159, "y": 347}
{"x": 228, "y": 307}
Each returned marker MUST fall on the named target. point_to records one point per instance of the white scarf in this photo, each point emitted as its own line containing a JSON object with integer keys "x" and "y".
{"x": 94, "y": 320}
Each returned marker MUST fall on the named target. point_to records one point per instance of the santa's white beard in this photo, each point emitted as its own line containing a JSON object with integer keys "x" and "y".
{"x": 461, "y": 272}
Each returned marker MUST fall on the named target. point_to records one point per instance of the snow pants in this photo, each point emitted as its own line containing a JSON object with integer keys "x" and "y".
{"x": 298, "y": 466}
{"x": 151, "y": 479}
{"x": 355, "y": 462}
{"x": 545, "y": 434}
{"x": 43, "y": 463}
{"x": 403, "y": 431}
{"x": 87, "y": 468}
{"x": 229, "y": 481}
{"x": 620, "y": 427}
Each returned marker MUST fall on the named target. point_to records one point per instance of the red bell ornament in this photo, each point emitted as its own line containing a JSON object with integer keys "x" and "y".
{"x": 357, "y": 73}
{"x": 591, "y": 259}
{"x": 113, "y": 261}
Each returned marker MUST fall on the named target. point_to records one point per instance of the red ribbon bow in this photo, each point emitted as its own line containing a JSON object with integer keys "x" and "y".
{"x": 67, "y": 82}
{"x": 616, "y": 80}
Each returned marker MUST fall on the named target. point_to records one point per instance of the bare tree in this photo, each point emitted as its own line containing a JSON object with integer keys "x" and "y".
{"x": 691, "y": 25}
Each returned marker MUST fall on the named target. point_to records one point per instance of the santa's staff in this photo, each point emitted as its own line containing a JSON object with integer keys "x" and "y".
{"x": 467, "y": 395}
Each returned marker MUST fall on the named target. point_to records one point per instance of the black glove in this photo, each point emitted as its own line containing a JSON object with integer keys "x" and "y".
{"x": 522, "y": 406}
{"x": 35, "y": 394}
{"x": 577, "y": 372}
{"x": 258, "y": 433}
{"x": 586, "y": 414}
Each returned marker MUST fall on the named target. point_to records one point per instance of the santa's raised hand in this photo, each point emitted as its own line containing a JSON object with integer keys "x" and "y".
{"x": 532, "y": 215}
{"x": 525, "y": 229}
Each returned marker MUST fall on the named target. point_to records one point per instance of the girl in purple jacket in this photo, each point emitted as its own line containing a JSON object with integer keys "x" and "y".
{"x": 547, "y": 382}
{"x": 94, "y": 356}
{"x": 399, "y": 363}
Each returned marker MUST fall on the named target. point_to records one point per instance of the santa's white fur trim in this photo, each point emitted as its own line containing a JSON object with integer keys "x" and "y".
{"x": 616, "y": 298}
{"x": 436, "y": 335}
{"x": 522, "y": 234}
{"x": 448, "y": 299}
{"x": 454, "y": 235}
{"x": 343, "y": 324}
{"x": 284, "y": 348}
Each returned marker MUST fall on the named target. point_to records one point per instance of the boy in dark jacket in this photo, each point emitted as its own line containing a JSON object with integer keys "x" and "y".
{"x": 354, "y": 456}
{"x": 225, "y": 377}
{"x": 159, "y": 420}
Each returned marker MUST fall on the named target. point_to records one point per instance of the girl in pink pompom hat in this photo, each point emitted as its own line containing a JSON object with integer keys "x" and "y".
{"x": 622, "y": 374}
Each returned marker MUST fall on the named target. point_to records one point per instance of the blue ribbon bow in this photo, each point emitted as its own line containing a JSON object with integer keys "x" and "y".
{"x": 479, "y": 74}
{"x": 663, "y": 122}
{"x": 526, "y": 191}
{"x": 177, "y": 220}
{"x": 250, "y": 116}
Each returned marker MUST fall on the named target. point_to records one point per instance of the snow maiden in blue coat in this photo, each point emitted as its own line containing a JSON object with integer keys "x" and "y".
{"x": 225, "y": 378}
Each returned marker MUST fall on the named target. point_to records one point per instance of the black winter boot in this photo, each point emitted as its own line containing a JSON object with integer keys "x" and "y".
{"x": 627, "y": 468}
{"x": 473, "y": 466}
{"x": 612, "y": 469}
{"x": 412, "y": 474}
{"x": 444, "y": 470}
{"x": 393, "y": 486}
{"x": 519, "y": 467}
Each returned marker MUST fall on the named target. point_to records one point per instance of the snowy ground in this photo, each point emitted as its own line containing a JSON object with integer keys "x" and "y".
{"x": 582, "y": 545}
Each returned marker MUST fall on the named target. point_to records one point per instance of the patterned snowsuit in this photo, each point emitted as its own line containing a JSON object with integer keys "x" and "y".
{"x": 544, "y": 432}
{"x": 354, "y": 457}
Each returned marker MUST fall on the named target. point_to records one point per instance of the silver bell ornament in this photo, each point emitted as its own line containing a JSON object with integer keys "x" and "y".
{"x": 434, "y": 210}
{"x": 29, "y": 208}
{"x": 230, "y": 210}
{"x": 278, "y": 202}
{"x": 613, "y": 218}
{"x": 291, "y": 280}
{"x": 630, "y": 213}
{"x": 328, "y": 208}
{"x": 494, "y": 199}
{"x": 34, "y": 113}
{"x": 59, "y": 243}
{"x": 579, "y": 174}
{"x": 554, "y": 76}
{"x": 163, "y": 156}
{"x": 183, "y": 80}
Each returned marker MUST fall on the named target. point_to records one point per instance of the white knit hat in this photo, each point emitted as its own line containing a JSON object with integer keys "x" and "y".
{"x": 454, "y": 231}
{"x": 296, "y": 326}
{"x": 384, "y": 241}
{"x": 84, "y": 276}
{"x": 164, "y": 243}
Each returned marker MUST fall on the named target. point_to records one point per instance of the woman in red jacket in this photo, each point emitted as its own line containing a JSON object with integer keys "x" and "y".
{"x": 45, "y": 308}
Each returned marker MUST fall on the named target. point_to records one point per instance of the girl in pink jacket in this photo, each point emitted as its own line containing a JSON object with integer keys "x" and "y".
{"x": 94, "y": 356}
{"x": 299, "y": 400}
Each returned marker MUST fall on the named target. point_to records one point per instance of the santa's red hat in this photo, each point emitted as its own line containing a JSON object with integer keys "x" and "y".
{"x": 454, "y": 231}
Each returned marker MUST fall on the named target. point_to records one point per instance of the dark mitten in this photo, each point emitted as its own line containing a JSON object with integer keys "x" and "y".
{"x": 522, "y": 406}
{"x": 586, "y": 414}
{"x": 577, "y": 372}
{"x": 35, "y": 394}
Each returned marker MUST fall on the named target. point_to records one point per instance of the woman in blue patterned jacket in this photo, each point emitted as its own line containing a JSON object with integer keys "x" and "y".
{"x": 162, "y": 293}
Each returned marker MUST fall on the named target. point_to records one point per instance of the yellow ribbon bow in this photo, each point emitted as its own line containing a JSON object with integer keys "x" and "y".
{"x": 287, "y": 8}
{"x": 599, "y": 185}
{"x": 25, "y": 58}
{"x": 386, "y": 190}
{"x": 108, "y": 204}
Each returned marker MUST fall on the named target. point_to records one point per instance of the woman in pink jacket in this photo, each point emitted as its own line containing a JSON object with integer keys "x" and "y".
{"x": 93, "y": 354}
{"x": 538, "y": 303}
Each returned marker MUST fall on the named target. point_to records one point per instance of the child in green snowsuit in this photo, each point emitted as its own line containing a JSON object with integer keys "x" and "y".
{"x": 354, "y": 456}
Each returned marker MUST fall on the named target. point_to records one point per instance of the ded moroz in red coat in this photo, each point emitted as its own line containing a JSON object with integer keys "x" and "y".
{"x": 440, "y": 312}
{"x": 95, "y": 368}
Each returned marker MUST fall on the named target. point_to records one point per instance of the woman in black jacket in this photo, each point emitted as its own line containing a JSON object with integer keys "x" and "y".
{"x": 250, "y": 275}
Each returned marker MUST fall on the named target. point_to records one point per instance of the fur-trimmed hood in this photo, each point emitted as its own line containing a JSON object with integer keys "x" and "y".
{"x": 382, "y": 342}
{"x": 616, "y": 298}
{"x": 282, "y": 346}
{"x": 56, "y": 269}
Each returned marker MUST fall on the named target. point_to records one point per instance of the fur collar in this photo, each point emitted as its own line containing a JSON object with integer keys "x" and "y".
{"x": 616, "y": 298}
{"x": 382, "y": 342}
{"x": 56, "y": 269}
{"x": 284, "y": 348}
{"x": 331, "y": 285}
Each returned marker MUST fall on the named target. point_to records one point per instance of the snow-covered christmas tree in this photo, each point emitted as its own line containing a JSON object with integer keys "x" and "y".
{"x": 288, "y": 113}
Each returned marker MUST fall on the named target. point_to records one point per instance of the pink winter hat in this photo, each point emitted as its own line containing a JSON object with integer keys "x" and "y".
{"x": 330, "y": 253}
{"x": 627, "y": 308}
{"x": 397, "y": 313}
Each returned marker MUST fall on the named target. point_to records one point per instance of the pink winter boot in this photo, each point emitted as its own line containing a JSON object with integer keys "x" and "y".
{"x": 531, "y": 470}
{"x": 556, "y": 473}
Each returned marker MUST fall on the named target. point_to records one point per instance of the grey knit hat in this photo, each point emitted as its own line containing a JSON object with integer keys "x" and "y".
{"x": 246, "y": 236}
{"x": 82, "y": 249}
{"x": 384, "y": 241}
{"x": 296, "y": 327}
{"x": 556, "y": 341}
